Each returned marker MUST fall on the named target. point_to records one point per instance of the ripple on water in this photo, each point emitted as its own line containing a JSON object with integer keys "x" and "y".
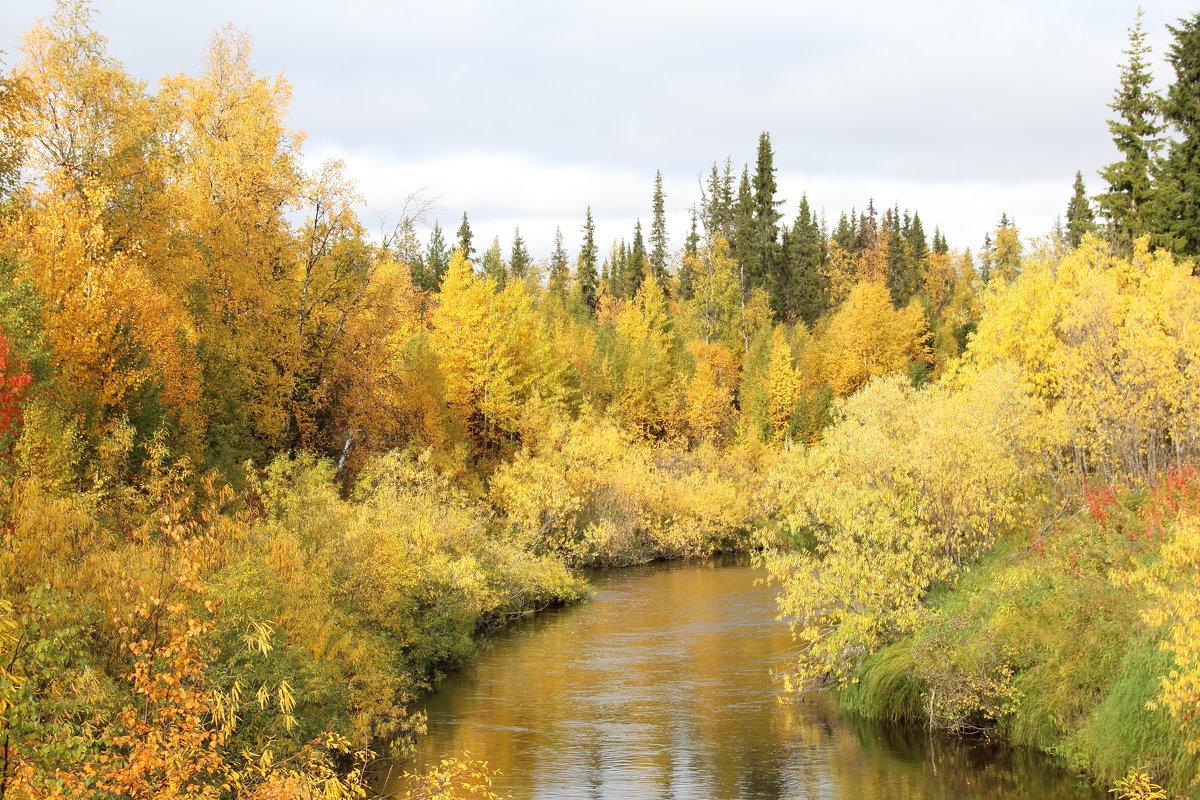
{"x": 661, "y": 688}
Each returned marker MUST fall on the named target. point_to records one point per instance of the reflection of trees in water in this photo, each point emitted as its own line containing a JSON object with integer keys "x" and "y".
{"x": 940, "y": 766}
{"x": 660, "y": 689}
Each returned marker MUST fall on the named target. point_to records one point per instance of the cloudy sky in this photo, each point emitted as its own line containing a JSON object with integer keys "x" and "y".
{"x": 523, "y": 113}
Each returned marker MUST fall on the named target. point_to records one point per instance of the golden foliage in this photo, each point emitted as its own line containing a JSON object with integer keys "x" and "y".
{"x": 867, "y": 338}
{"x": 906, "y": 489}
{"x": 1112, "y": 343}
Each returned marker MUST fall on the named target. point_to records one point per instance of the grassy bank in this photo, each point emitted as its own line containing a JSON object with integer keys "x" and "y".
{"x": 1045, "y": 643}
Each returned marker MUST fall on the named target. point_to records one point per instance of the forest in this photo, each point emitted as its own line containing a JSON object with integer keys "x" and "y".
{"x": 264, "y": 476}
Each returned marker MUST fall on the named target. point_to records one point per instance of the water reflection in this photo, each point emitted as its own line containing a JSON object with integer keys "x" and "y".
{"x": 661, "y": 688}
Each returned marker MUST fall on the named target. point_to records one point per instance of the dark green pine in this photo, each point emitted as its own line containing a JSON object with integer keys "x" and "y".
{"x": 1180, "y": 171}
{"x": 658, "y": 233}
{"x": 464, "y": 239}
{"x": 520, "y": 261}
{"x": 1080, "y": 219}
{"x": 437, "y": 259}
{"x": 1128, "y": 203}
{"x": 635, "y": 262}
{"x": 585, "y": 269}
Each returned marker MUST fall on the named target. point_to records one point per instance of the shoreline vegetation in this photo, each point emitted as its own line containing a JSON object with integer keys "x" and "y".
{"x": 263, "y": 477}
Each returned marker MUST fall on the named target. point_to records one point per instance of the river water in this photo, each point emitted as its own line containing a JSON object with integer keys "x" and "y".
{"x": 662, "y": 687}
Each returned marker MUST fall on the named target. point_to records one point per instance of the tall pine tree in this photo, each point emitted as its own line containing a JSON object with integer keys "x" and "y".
{"x": 766, "y": 217}
{"x": 806, "y": 291}
{"x": 635, "y": 263}
{"x": 1080, "y": 219}
{"x": 464, "y": 239}
{"x": 1180, "y": 173}
{"x": 560, "y": 273}
{"x": 520, "y": 261}
{"x": 437, "y": 259}
{"x": 585, "y": 267}
{"x": 658, "y": 233}
{"x": 744, "y": 235}
{"x": 1127, "y": 205}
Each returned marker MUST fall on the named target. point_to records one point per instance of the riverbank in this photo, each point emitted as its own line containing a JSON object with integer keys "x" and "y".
{"x": 1046, "y": 644}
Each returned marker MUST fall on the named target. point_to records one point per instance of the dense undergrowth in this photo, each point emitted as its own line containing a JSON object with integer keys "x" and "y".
{"x": 1012, "y": 551}
{"x": 1044, "y": 643}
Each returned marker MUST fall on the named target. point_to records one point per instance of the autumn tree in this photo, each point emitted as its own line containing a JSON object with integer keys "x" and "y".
{"x": 866, "y": 337}
{"x": 716, "y": 294}
{"x": 647, "y": 396}
{"x": 492, "y": 264}
{"x": 90, "y": 123}
{"x": 237, "y": 177}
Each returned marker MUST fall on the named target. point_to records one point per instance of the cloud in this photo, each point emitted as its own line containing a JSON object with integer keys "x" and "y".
{"x": 529, "y": 112}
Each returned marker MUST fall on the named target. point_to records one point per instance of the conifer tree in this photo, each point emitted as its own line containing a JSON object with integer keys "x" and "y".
{"x": 766, "y": 215}
{"x": 1126, "y": 205}
{"x": 744, "y": 234}
{"x": 437, "y": 260}
{"x": 559, "y": 272}
{"x": 939, "y": 242}
{"x": 717, "y": 202}
{"x": 1080, "y": 219}
{"x": 804, "y": 289}
{"x": 635, "y": 262}
{"x": 1180, "y": 173}
{"x": 658, "y": 233}
{"x": 520, "y": 260}
{"x": 464, "y": 239}
{"x": 585, "y": 270}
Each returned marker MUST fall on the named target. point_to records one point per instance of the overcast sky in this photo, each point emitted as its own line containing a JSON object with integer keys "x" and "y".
{"x": 523, "y": 113}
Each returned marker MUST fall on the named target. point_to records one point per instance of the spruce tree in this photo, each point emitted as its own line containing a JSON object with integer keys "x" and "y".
{"x": 744, "y": 235}
{"x": 807, "y": 292}
{"x": 635, "y": 262}
{"x": 560, "y": 272}
{"x": 939, "y": 242}
{"x": 1080, "y": 219}
{"x": 846, "y": 233}
{"x": 585, "y": 269}
{"x": 1127, "y": 205}
{"x": 658, "y": 233}
{"x": 1180, "y": 173}
{"x": 717, "y": 202}
{"x": 766, "y": 216}
{"x": 437, "y": 259}
{"x": 898, "y": 272}
{"x": 464, "y": 239}
{"x": 520, "y": 260}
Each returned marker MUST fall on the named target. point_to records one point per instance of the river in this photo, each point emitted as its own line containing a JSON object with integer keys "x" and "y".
{"x": 662, "y": 687}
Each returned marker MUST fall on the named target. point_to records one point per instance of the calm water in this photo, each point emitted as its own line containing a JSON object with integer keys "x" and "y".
{"x": 661, "y": 687}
